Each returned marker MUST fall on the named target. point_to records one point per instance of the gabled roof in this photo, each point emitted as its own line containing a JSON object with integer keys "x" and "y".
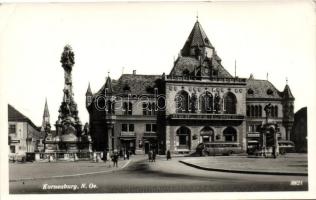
{"x": 197, "y": 38}
{"x": 15, "y": 116}
{"x": 136, "y": 84}
{"x": 262, "y": 89}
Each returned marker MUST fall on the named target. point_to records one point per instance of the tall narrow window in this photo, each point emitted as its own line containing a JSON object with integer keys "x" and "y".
{"x": 127, "y": 108}
{"x": 230, "y": 103}
{"x": 206, "y": 102}
{"x": 184, "y": 135}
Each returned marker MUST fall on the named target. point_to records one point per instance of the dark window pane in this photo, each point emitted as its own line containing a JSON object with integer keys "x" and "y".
{"x": 131, "y": 128}
{"x": 124, "y": 127}
{"x": 182, "y": 139}
{"x": 148, "y": 127}
{"x": 154, "y": 128}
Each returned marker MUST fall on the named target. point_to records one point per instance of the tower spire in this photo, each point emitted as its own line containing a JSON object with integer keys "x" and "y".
{"x": 46, "y": 111}
{"x": 46, "y": 117}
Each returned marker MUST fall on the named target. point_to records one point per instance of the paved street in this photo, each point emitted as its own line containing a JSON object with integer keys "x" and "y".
{"x": 160, "y": 176}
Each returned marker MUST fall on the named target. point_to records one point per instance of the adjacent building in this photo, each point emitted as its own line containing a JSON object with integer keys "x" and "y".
{"x": 198, "y": 101}
{"x": 299, "y": 133}
{"x": 24, "y": 135}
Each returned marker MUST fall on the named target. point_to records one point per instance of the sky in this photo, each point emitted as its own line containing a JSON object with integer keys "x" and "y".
{"x": 264, "y": 37}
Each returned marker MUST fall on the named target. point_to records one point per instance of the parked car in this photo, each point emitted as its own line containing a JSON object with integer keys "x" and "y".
{"x": 218, "y": 148}
{"x": 286, "y": 146}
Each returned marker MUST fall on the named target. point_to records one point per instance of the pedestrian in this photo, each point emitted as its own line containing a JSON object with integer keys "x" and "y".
{"x": 168, "y": 155}
{"x": 115, "y": 159}
{"x": 154, "y": 156}
{"x": 105, "y": 155}
{"x": 150, "y": 155}
{"x": 274, "y": 151}
{"x": 127, "y": 155}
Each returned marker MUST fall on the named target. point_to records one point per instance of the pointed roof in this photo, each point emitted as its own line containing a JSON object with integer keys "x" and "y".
{"x": 197, "y": 38}
{"x": 108, "y": 85}
{"x": 287, "y": 94}
{"x": 89, "y": 92}
{"x": 46, "y": 111}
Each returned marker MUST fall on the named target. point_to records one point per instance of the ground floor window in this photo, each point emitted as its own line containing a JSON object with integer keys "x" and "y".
{"x": 207, "y": 134}
{"x": 230, "y": 134}
{"x": 12, "y": 149}
{"x": 183, "y": 136}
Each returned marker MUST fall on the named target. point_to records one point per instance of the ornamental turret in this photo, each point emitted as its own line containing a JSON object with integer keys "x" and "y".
{"x": 89, "y": 96}
{"x": 288, "y": 110}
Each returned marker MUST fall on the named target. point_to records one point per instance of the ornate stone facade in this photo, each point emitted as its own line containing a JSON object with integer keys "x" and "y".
{"x": 198, "y": 101}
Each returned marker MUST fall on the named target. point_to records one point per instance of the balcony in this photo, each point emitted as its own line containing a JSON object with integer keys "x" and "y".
{"x": 193, "y": 116}
{"x": 210, "y": 79}
{"x": 128, "y": 134}
{"x": 150, "y": 134}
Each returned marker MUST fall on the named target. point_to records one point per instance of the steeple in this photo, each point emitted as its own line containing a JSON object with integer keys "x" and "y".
{"x": 89, "y": 92}
{"x": 108, "y": 85}
{"x": 287, "y": 94}
{"x": 197, "y": 42}
{"x": 46, "y": 111}
{"x": 89, "y": 96}
{"x": 46, "y": 117}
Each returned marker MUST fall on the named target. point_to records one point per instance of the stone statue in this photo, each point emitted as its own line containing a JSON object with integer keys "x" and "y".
{"x": 217, "y": 103}
{"x": 67, "y": 58}
{"x": 267, "y": 109}
{"x": 193, "y": 103}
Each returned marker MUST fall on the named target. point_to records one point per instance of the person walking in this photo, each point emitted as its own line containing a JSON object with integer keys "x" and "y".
{"x": 150, "y": 154}
{"x": 127, "y": 155}
{"x": 154, "y": 156}
{"x": 115, "y": 159}
{"x": 168, "y": 155}
{"x": 105, "y": 155}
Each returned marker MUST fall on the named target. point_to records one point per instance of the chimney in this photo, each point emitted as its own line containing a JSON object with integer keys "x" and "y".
{"x": 134, "y": 72}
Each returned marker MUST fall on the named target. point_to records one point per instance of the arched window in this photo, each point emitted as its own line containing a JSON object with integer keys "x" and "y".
{"x": 230, "y": 134}
{"x": 207, "y": 134}
{"x": 252, "y": 109}
{"x": 256, "y": 111}
{"x": 276, "y": 112}
{"x": 182, "y": 102}
{"x": 248, "y": 111}
{"x": 260, "y": 111}
{"x": 230, "y": 103}
{"x": 184, "y": 137}
{"x": 127, "y": 108}
{"x": 206, "y": 102}
{"x": 272, "y": 111}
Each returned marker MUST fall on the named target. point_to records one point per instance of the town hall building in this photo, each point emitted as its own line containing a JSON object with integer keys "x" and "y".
{"x": 198, "y": 101}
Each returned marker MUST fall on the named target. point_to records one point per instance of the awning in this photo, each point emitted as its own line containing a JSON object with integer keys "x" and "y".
{"x": 127, "y": 138}
{"x": 253, "y": 141}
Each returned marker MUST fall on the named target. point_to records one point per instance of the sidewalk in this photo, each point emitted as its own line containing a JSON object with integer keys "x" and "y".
{"x": 289, "y": 164}
{"x": 44, "y": 170}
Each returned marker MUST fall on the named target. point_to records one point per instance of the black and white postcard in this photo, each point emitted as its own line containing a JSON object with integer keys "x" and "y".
{"x": 182, "y": 100}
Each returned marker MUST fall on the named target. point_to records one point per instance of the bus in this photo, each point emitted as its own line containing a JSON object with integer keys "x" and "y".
{"x": 218, "y": 148}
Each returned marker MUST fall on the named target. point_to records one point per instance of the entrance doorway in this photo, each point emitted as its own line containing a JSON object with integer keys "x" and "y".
{"x": 150, "y": 145}
{"x": 128, "y": 145}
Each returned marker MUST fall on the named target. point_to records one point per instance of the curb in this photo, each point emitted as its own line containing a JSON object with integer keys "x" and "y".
{"x": 72, "y": 175}
{"x": 244, "y": 172}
